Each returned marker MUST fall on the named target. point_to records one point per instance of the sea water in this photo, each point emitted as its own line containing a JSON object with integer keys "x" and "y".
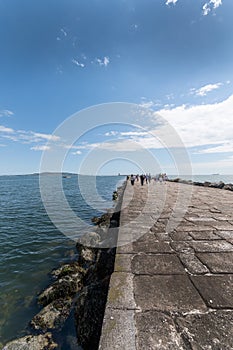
{"x": 31, "y": 246}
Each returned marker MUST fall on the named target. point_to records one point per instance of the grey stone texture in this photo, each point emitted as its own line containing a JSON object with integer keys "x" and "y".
{"x": 173, "y": 282}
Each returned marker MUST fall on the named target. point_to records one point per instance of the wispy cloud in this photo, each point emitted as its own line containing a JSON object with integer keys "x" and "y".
{"x": 63, "y": 32}
{"x": 40, "y": 148}
{"x": 111, "y": 133}
{"x": 211, "y": 5}
{"x": 77, "y": 153}
{"x": 4, "y": 130}
{"x": 77, "y": 63}
{"x": 204, "y": 90}
{"x": 104, "y": 61}
{"x": 169, "y": 2}
{"x": 6, "y": 113}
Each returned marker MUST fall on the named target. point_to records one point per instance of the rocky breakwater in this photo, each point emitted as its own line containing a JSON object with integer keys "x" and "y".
{"x": 80, "y": 287}
{"x": 220, "y": 184}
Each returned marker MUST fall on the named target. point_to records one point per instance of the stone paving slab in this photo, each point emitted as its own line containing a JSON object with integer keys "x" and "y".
{"x": 157, "y": 331}
{"x": 118, "y": 331}
{"x": 218, "y": 262}
{"x": 167, "y": 293}
{"x": 173, "y": 288}
{"x": 168, "y": 264}
{"x": 217, "y": 291}
{"x": 211, "y": 331}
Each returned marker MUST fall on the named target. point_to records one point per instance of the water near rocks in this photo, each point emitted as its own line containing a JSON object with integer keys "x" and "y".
{"x": 31, "y": 246}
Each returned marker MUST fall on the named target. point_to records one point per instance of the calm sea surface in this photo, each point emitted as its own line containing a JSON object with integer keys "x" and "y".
{"x": 31, "y": 246}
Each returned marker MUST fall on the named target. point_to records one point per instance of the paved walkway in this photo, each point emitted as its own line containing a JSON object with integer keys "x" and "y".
{"x": 172, "y": 287}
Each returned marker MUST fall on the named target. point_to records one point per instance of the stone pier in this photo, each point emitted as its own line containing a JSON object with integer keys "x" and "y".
{"x": 172, "y": 286}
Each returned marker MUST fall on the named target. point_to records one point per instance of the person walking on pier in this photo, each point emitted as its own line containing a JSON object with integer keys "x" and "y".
{"x": 132, "y": 179}
{"x": 142, "y": 178}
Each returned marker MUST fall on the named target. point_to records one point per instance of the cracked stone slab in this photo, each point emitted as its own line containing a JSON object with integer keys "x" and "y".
{"x": 168, "y": 264}
{"x": 118, "y": 331}
{"x": 157, "y": 331}
{"x": 167, "y": 293}
{"x": 212, "y": 246}
{"x": 218, "y": 262}
{"x": 213, "y": 331}
{"x": 217, "y": 291}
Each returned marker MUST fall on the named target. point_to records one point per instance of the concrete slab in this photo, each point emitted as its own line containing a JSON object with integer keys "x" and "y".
{"x": 121, "y": 294}
{"x": 217, "y": 291}
{"x": 167, "y": 293}
{"x": 168, "y": 264}
{"x": 193, "y": 264}
{"x": 213, "y": 331}
{"x": 152, "y": 247}
{"x": 212, "y": 246}
{"x": 118, "y": 331}
{"x": 204, "y": 235}
{"x": 123, "y": 262}
{"x": 157, "y": 331}
{"x": 218, "y": 262}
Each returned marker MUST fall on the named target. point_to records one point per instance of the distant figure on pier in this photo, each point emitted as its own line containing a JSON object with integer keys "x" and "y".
{"x": 142, "y": 178}
{"x": 132, "y": 179}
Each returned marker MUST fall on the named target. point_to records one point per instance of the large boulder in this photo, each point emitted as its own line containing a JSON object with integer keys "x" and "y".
{"x": 228, "y": 187}
{"x": 217, "y": 184}
{"x": 32, "y": 342}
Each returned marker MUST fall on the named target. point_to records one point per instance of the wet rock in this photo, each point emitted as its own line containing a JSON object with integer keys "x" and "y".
{"x": 53, "y": 316}
{"x": 66, "y": 286}
{"x": 30, "y": 342}
{"x": 102, "y": 220}
{"x": 68, "y": 269}
{"x": 89, "y": 313}
{"x": 217, "y": 184}
{"x": 197, "y": 183}
{"x": 228, "y": 187}
{"x": 207, "y": 183}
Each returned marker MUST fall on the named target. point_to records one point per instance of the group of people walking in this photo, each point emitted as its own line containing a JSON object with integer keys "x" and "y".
{"x": 147, "y": 178}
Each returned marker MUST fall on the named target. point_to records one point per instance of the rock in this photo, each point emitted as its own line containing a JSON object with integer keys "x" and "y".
{"x": 89, "y": 313}
{"x": 68, "y": 269}
{"x": 217, "y": 184}
{"x": 207, "y": 183}
{"x": 53, "y": 316}
{"x": 66, "y": 286}
{"x": 228, "y": 187}
{"x": 102, "y": 220}
{"x": 197, "y": 183}
{"x": 32, "y": 342}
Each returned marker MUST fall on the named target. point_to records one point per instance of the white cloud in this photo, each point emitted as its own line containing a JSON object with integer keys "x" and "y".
{"x": 204, "y": 90}
{"x": 168, "y": 2}
{"x": 111, "y": 133}
{"x": 6, "y": 113}
{"x": 77, "y": 63}
{"x": 3, "y": 129}
{"x": 134, "y": 133}
{"x": 208, "y": 6}
{"x": 40, "y": 148}
{"x": 103, "y": 62}
{"x": 77, "y": 153}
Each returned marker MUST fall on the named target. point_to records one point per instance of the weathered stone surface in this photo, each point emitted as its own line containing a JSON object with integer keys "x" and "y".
{"x": 118, "y": 330}
{"x": 167, "y": 264}
{"x": 166, "y": 293}
{"x": 157, "y": 331}
{"x": 152, "y": 247}
{"x": 32, "y": 342}
{"x": 123, "y": 262}
{"x": 212, "y": 331}
{"x": 212, "y": 246}
{"x": 182, "y": 247}
{"x": 218, "y": 262}
{"x": 120, "y": 293}
{"x": 181, "y": 236}
{"x": 217, "y": 291}
{"x": 225, "y": 234}
{"x": 204, "y": 235}
{"x": 193, "y": 264}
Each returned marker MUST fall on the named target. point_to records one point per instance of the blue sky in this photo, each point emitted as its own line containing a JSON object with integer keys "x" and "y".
{"x": 61, "y": 56}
